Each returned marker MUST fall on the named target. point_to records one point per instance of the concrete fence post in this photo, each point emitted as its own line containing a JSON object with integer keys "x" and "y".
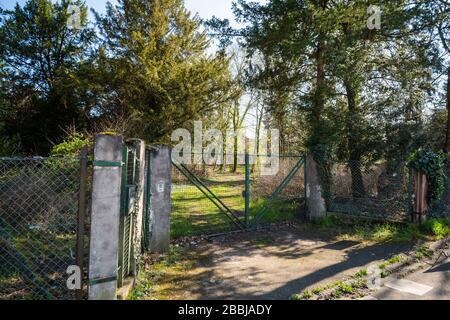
{"x": 316, "y": 203}
{"x": 105, "y": 213}
{"x": 160, "y": 205}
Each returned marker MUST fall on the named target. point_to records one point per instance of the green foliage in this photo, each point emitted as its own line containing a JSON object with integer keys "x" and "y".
{"x": 423, "y": 252}
{"x": 155, "y": 58}
{"x": 433, "y": 166}
{"x": 71, "y": 146}
{"x": 408, "y": 233}
{"x": 360, "y": 274}
{"x": 160, "y": 277}
{"x": 395, "y": 259}
{"x": 326, "y": 222}
{"x": 439, "y": 228}
{"x": 41, "y": 62}
{"x": 342, "y": 289}
{"x": 375, "y": 231}
{"x": 366, "y": 106}
{"x": 306, "y": 295}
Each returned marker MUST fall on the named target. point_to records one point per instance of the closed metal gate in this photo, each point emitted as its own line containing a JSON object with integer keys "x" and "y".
{"x": 216, "y": 198}
{"x": 127, "y": 212}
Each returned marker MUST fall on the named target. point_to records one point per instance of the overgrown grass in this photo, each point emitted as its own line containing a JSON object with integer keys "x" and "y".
{"x": 160, "y": 279}
{"x": 423, "y": 252}
{"x": 336, "y": 289}
{"x": 194, "y": 214}
{"x": 35, "y": 261}
{"x": 438, "y": 227}
{"x": 279, "y": 210}
{"x": 364, "y": 229}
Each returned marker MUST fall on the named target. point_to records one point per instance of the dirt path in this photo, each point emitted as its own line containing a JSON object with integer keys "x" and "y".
{"x": 271, "y": 264}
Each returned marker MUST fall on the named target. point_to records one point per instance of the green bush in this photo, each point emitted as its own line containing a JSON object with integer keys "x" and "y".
{"x": 431, "y": 164}
{"x": 71, "y": 146}
{"x": 408, "y": 233}
{"x": 437, "y": 227}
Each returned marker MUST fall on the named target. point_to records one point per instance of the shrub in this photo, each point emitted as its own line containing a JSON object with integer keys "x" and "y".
{"x": 433, "y": 166}
{"x": 71, "y": 146}
{"x": 437, "y": 227}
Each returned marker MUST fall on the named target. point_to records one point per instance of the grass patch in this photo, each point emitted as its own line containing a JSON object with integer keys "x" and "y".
{"x": 278, "y": 211}
{"x": 36, "y": 260}
{"x": 423, "y": 252}
{"x": 327, "y": 222}
{"x": 306, "y": 295}
{"x": 437, "y": 227}
{"x": 355, "y": 285}
{"x": 367, "y": 230}
{"x": 342, "y": 289}
{"x": 360, "y": 274}
{"x": 164, "y": 277}
{"x": 194, "y": 214}
{"x": 388, "y": 262}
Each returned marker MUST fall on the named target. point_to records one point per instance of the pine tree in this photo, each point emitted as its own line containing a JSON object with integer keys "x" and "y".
{"x": 41, "y": 57}
{"x": 156, "y": 62}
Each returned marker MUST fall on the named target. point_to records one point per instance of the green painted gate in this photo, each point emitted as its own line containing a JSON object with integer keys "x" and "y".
{"x": 128, "y": 207}
{"x": 214, "y": 198}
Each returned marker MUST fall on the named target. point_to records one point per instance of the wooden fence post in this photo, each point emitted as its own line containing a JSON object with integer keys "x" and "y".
{"x": 420, "y": 197}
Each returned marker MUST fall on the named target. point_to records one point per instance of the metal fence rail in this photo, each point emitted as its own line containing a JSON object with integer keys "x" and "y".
{"x": 39, "y": 201}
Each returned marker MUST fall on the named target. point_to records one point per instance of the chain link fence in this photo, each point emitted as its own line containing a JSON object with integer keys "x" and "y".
{"x": 289, "y": 203}
{"x": 38, "y": 226}
{"x": 375, "y": 191}
{"x": 441, "y": 209}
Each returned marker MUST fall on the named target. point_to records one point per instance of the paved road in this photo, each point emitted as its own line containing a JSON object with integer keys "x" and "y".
{"x": 426, "y": 284}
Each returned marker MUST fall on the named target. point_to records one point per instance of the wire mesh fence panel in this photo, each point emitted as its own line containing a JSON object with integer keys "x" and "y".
{"x": 279, "y": 185}
{"x": 374, "y": 191}
{"x": 38, "y": 226}
{"x": 206, "y": 199}
{"x": 441, "y": 209}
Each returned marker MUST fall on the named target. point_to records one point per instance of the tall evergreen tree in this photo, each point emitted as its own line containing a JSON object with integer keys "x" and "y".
{"x": 157, "y": 66}
{"x": 41, "y": 56}
{"x": 321, "y": 51}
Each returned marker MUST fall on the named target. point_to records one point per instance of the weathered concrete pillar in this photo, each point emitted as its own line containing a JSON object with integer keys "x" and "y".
{"x": 137, "y": 241}
{"x": 105, "y": 211}
{"x": 315, "y": 202}
{"x": 160, "y": 205}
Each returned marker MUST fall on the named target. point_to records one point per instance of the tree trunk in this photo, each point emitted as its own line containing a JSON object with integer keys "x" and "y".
{"x": 358, "y": 189}
{"x": 235, "y": 155}
{"x": 317, "y": 131}
{"x": 447, "y": 139}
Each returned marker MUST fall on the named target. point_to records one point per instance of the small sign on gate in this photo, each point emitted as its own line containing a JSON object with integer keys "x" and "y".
{"x": 160, "y": 186}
